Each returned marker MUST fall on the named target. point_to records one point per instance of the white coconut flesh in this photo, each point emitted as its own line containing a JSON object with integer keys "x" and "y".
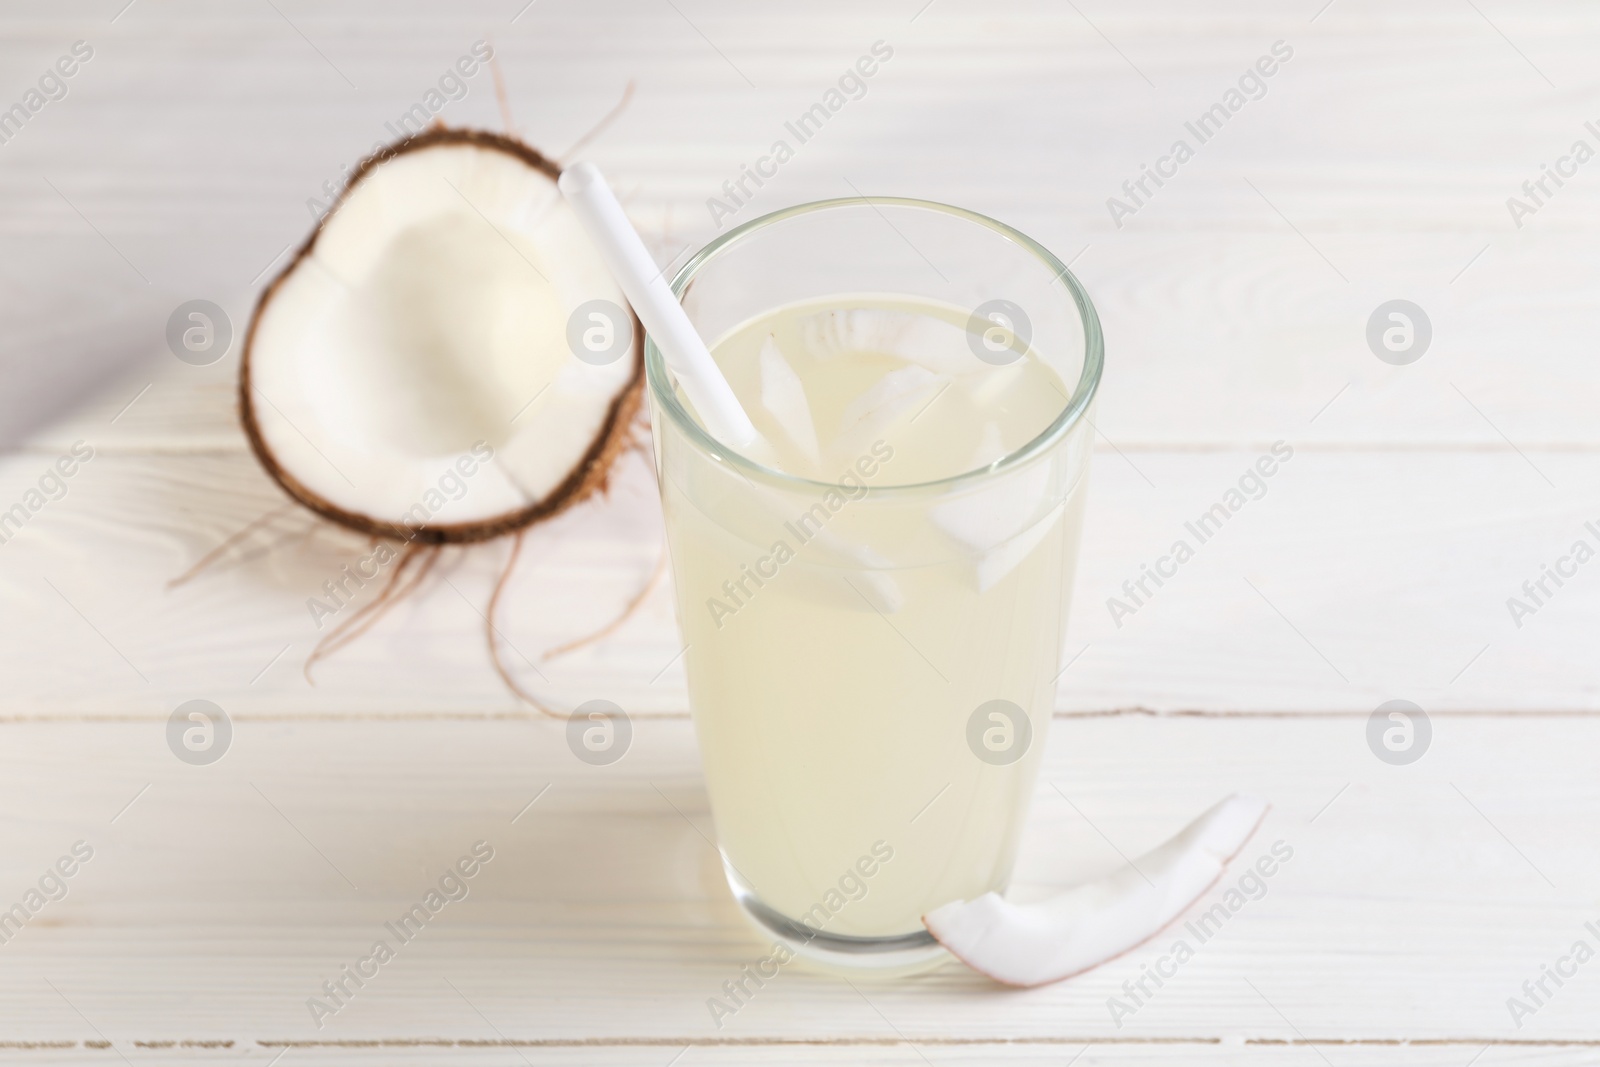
{"x": 1083, "y": 927}
{"x": 427, "y": 326}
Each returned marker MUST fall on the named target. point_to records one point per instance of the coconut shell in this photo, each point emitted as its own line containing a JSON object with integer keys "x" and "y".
{"x": 588, "y": 475}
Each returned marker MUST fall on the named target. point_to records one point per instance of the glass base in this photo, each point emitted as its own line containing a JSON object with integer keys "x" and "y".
{"x": 878, "y": 957}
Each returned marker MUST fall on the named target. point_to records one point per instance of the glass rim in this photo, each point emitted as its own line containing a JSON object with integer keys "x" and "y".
{"x": 1072, "y": 412}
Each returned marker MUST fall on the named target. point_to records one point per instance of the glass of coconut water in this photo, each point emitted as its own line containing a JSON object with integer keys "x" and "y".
{"x": 874, "y": 605}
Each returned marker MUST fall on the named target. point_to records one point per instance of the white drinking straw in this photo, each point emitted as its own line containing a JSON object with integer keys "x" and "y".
{"x": 664, "y": 318}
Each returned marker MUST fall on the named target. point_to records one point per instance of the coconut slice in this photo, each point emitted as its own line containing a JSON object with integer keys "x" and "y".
{"x": 411, "y": 372}
{"x": 1031, "y": 944}
{"x": 998, "y": 525}
{"x": 933, "y": 344}
{"x": 874, "y": 415}
{"x": 784, "y": 397}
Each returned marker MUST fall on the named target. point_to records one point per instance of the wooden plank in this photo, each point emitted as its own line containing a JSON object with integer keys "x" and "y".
{"x": 1370, "y": 140}
{"x": 484, "y": 1053}
{"x": 1357, "y": 578}
{"x": 1213, "y": 341}
{"x": 1222, "y": 318}
{"x": 216, "y": 903}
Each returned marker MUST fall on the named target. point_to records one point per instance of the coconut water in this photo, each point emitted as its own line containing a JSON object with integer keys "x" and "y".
{"x": 874, "y": 634}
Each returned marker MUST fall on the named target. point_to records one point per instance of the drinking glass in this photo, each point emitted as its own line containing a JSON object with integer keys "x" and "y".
{"x": 872, "y": 665}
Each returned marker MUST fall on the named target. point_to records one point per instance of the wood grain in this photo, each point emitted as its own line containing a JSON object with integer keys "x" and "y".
{"x": 1213, "y": 341}
{"x": 1376, "y": 566}
{"x": 1358, "y": 577}
{"x": 1404, "y": 914}
{"x": 1384, "y": 151}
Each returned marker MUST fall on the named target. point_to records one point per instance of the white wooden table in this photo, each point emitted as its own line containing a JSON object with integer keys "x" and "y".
{"x": 1376, "y": 166}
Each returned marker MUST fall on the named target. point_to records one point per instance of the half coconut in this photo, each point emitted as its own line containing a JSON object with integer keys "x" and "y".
{"x": 446, "y": 359}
